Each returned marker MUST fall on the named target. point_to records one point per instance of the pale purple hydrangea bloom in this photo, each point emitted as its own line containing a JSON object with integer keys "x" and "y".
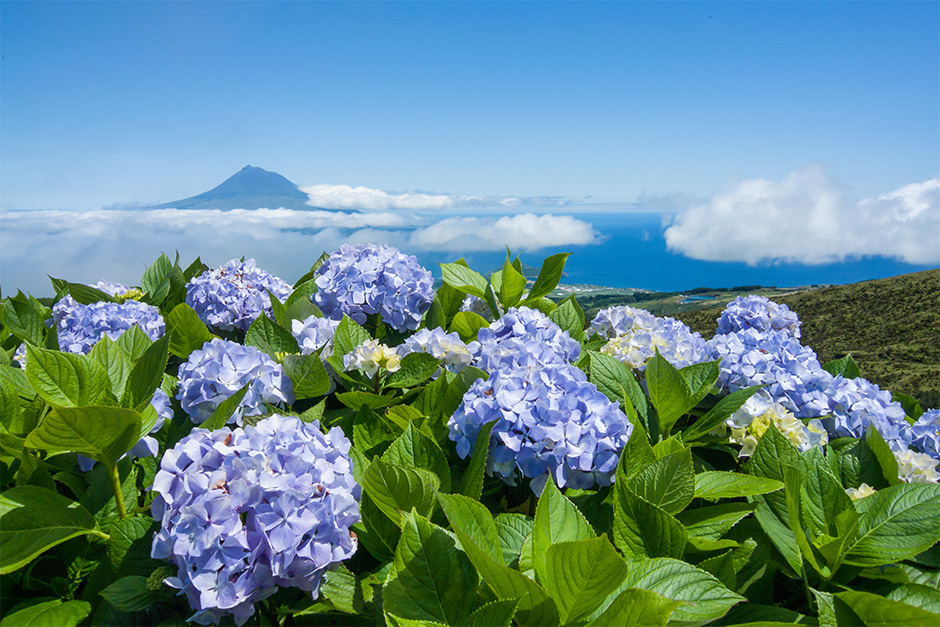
{"x": 521, "y": 334}
{"x": 475, "y": 304}
{"x": 550, "y": 421}
{"x": 925, "y": 433}
{"x": 147, "y": 446}
{"x": 636, "y": 334}
{"x": 790, "y": 372}
{"x": 758, "y": 312}
{"x": 81, "y": 328}
{"x": 447, "y": 347}
{"x": 367, "y": 279}
{"x": 221, "y": 368}
{"x": 233, "y": 295}
{"x": 246, "y": 511}
{"x": 66, "y": 304}
{"x": 313, "y": 334}
{"x": 857, "y": 403}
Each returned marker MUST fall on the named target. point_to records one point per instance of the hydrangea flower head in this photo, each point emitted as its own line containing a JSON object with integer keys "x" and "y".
{"x": 233, "y": 295}
{"x": 860, "y": 492}
{"x": 221, "y": 368}
{"x": 915, "y": 467}
{"x": 370, "y": 356}
{"x": 550, "y": 422}
{"x": 447, "y": 347}
{"x": 475, "y": 304}
{"x": 246, "y": 511}
{"x": 313, "y": 334}
{"x": 925, "y": 433}
{"x": 522, "y": 332}
{"x": 758, "y": 312}
{"x": 366, "y": 279}
{"x": 854, "y": 404}
{"x": 636, "y": 334}
{"x": 622, "y": 320}
{"x": 66, "y": 304}
{"x": 82, "y": 326}
{"x": 747, "y": 429}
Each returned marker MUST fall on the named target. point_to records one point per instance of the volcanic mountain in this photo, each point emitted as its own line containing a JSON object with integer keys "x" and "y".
{"x": 249, "y": 188}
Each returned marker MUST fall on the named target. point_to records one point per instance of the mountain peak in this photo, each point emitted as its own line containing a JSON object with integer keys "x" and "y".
{"x": 249, "y": 188}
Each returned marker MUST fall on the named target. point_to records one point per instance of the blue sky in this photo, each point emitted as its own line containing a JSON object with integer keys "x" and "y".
{"x": 136, "y": 101}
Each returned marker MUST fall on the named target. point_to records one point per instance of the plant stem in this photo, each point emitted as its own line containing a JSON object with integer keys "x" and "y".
{"x": 116, "y": 486}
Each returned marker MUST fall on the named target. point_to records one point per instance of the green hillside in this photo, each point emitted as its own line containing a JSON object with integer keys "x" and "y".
{"x": 890, "y": 326}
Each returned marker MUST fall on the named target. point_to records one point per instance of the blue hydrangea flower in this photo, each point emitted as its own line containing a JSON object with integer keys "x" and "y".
{"x": 475, "y": 304}
{"x": 313, "y": 334}
{"x": 925, "y": 433}
{"x": 636, "y": 334}
{"x": 447, "y": 347}
{"x": 66, "y": 304}
{"x": 622, "y": 320}
{"x": 81, "y": 328}
{"x": 367, "y": 279}
{"x": 855, "y": 404}
{"x": 221, "y": 368}
{"x": 550, "y": 421}
{"x": 246, "y": 511}
{"x": 757, "y": 312}
{"x": 790, "y": 372}
{"x": 233, "y": 295}
{"x": 522, "y": 334}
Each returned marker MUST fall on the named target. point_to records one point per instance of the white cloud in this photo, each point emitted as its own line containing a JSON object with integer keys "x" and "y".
{"x": 805, "y": 219}
{"x": 521, "y": 232}
{"x": 369, "y": 199}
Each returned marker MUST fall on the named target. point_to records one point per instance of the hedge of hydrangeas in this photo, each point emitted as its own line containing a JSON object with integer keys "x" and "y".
{"x": 222, "y": 447}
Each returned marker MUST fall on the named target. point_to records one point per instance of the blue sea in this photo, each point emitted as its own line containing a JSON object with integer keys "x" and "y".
{"x": 633, "y": 254}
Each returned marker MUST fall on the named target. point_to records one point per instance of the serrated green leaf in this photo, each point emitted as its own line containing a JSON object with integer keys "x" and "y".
{"x": 642, "y": 529}
{"x": 101, "y": 433}
{"x": 372, "y": 433}
{"x": 131, "y": 594}
{"x": 876, "y": 610}
{"x": 42, "y": 613}
{"x": 224, "y": 410}
{"x": 493, "y": 614}
{"x": 636, "y": 607}
{"x": 845, "y": 367}
{"x": 396, "y": 489}
{"x": 471, "y": 484}
{"x": 416, "y": 368}
{"x": 115, "y": 362}
{"x": 715, "y": 484}
{"x": 512, "y": 529}
{"x": 918, "y": 595}
{"x": 413, "y": 448}
{"x": 700, "y": 379}
{"x": 636, "y": 455}
{"x": 64, "y": 379}
{"x": 33, "y": 520}
{"x": 132, "y": 535}
{"x": 668, "y": 392}
{"x": 668, "y": 482}
{"x": 308, "y": 375}
{"x": 883, "y": 455}
{"x": 462, "y": 278}
{"x": 25, "y": 317}
{"x": 570, "y": 318}
{"x": 147, "y": 374}
{"x": 556, "y": 520}
{"x": 722, "y": 410}
{"x": 474, "y": 520}
{"x": 134, "y": 342}
{"x": 580, "y": 574}
{"x": 512, "y": 285}
{"x": 348, "y": 336}
{"x": 549, "y": 274}
{"x": 358, "y": 400}
{"x": 265, "y": 335}
{"x": 616, "y": 381}
{"x": 187, "y": 332}
{"x": 467, "y": 324}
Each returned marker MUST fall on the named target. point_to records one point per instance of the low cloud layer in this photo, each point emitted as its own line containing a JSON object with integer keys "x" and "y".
{"x": 805, "y": 218}
{"x": 86, "y": 246}
{"x": 346, "y": 197}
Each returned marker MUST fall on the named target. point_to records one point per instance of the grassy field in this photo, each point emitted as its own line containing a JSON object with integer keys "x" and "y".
{"x": 890, "y": 326}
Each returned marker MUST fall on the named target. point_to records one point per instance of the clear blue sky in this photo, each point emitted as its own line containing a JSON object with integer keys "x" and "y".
{"x": 118, "y": 102}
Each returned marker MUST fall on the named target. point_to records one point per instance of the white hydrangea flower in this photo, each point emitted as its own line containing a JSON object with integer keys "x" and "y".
{"x": 747, "y": 428}
{"x": 370, "y": 356}
{"x": 860, "y": 492}
{"x": 915, "y": 467}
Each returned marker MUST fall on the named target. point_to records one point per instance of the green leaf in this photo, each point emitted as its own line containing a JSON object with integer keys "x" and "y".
{"x": 33, "y": 520}
{"x": 134, "y": 342}
{"x": 874, "y": 609}
{"x": 704, "y": 597}
{"x": 15, "y": 379}
{"x": 535, "y": 605}
{"x": 453, "y": 395}
{"x": 187, "y": 332}
{"x": 513, "y": 529}
{"x": 156, "y": 279}
{"x": 340, "y": 589}
{"x": 474, "y": 520}
{"x": 101, "y": 433}
{"x": 467, "y": 324}
{"x": 642, "y": 529}
{"x": 299, "y": 305}
{"x": 116, "y": 363}
{"x": 377, "y": 533}
{"x": 348, "y": 336}
{"x": 845, "y": 367}
{"x": 636, "y": 607}
{"x": 549, "y": 274}
{"x": 715, "y": 484}
{"x": 900, "y": 523}
{"x": 64, "y": 379}
{"x": 616, "y": 381}
{"x": 372, "y": 433}
{"x": 700, "y": 379}
{"x": 779, "y": 533}
{"x": 278, "y": 311}
{"x": 918, "y": 595}
{"x": 636, "y": 455}
{"x": 494, "y": 614}
{"x": 462, "y": 278}
{"x": 265, "y": 335}
{"x": 128, "y": 536}
{"x": 358, "y": 400}
{"x": 668, "y": 392}
{"x": 725, "y": 406}
{"x": 25, "y": 317}
{"x": 223, "y": 412}
{"x": 910, "y": 404}
{"x": 415, "y": 449}
{"x": 556, "y": 520}
{"x": 147, "y": 374}
{"x": 722, "y": 567}
{"x": 713, "y": 521}
{"x": 471, "y": 484}
{"x": 823, "y": 500}
{"x": 396, "y": 489}
{"x": 416, "y": 368}
{"x": 308, "y": 375}
{"x": 512, "y": 286}
{"x": 773, "y": 453}
{"x": 430, "y": 579}
{"x": 580, "y": 575}
{"x": 40, "y": 613}
{"x": 668, "y": 482}
{"x": 883, "y": 455}
{"x": 131, "y": 594}
{"x": 570, "y": 318}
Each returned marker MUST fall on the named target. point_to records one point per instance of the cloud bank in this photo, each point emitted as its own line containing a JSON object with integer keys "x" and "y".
{"x": 118, "y": 245}
{"x": 805, "y": 218}
{"x": 346, "y": 197}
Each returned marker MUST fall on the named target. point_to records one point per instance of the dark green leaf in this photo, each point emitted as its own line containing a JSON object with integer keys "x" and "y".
{"x": 472, "y": 482}
{"x": 642, "y": 529}
{"x": 700, "y": 379}
{"x": 348, "y": 336}
{"x": 415, "y": 449}
{"x": 187, "y": 332}
{"x": 131, "y": 594}
{"x": 308, "y": 375}
{"x": 580, "y": 575}
{"x": 494, "y": 614}
{"x": 265, "y": 335}
{"x": 396, "y": 489}
{"x": 416, "y": 368}
{"x": 726, "y": 406}
{"x": 223, "y": 412}
{"x": 147, "y": 374}
{"x": 101, "y": 433}
{"x": 669, "y": 392}
{"x": 845, "y": 367}
{"x": 669, "y": 482}
{"x": 570, "y": 318}
{"x": 357, "y": 400}
{"x": 549, "y": 274}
